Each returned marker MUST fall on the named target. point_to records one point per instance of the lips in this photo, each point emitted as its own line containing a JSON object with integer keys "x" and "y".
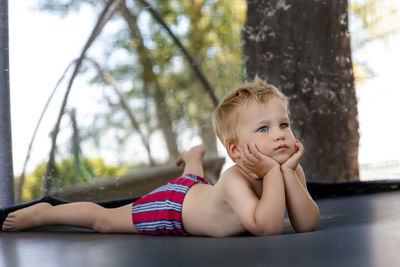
{"x": 281, "y": 147}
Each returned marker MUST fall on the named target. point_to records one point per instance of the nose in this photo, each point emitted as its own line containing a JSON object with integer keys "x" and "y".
{"x": 278, "y": 134}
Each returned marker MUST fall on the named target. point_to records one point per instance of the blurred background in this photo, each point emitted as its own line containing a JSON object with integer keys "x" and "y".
{"x": 103, "y": 89}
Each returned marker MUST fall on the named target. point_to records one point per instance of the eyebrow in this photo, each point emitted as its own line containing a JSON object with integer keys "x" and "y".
{"x": 264, "y": 121}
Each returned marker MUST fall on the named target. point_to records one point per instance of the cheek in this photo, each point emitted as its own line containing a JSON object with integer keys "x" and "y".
{"x": 292, "y": 141}
{"x": 292, "y": 146}
{"x": 265, "y": 148}
{"x": 292, "y": 150}
{"x": 291, "y": 136}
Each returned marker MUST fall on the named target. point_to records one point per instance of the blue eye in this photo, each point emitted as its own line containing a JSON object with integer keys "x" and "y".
{"x": 263, "y": 129}
{"x": 284, "y": 126}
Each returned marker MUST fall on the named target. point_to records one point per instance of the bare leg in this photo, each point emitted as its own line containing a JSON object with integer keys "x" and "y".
{"x": 81, "y": 214}
{"x": 192, "y": 160}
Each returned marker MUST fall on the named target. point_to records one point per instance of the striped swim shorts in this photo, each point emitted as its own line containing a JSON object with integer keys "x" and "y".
{"x": 160, "y": 211}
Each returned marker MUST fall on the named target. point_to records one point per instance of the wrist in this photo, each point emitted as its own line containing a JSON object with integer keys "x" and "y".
{"x": 272, "y": 170}
{"x": 287, "y": 169}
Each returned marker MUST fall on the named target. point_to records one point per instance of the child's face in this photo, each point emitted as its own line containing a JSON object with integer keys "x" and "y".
{"x": 267, "y": 126}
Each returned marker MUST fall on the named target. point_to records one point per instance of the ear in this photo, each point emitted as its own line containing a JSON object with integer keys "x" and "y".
{"x": 233, "y": 150}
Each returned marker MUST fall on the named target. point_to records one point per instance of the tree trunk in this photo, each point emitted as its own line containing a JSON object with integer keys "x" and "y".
{"x": 303, "y": 48}
{"x": 165, "y": 120}
{"x": 208, "y": 136}
{"x": 151, "y": 79}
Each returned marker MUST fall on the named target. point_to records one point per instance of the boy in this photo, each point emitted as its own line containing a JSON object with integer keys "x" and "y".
{"x": 252, "y": 122}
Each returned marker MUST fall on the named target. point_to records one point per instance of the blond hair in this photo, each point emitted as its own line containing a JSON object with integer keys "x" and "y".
{"x": 225, "y": 115}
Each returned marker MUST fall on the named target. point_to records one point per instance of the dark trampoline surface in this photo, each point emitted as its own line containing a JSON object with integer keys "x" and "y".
{"x": 360, "y": 230}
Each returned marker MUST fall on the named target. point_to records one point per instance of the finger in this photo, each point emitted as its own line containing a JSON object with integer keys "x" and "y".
{"x": 300, "y": 149}
{"x": 247, "y": 168}
{"x": 244, "y": 153}
{"x": 253, "y": 175}
{"x": 299, "y": 143}
{"x": 243, "y": 166}
{"x": 297, "y": 155}
{"x": 247, "y": 153}
{"x": 301, "y": 146}
{"x": 254, "y": 151}
{"x": 256, "y": 148}
{"x": 247, "y": 163}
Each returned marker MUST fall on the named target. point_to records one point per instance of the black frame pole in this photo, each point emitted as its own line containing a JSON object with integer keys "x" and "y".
{"x": 6, "y": 164}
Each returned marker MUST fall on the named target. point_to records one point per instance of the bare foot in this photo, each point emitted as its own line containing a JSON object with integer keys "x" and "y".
{"x": 25, "y": 218}
{"x": 194, "y": 153}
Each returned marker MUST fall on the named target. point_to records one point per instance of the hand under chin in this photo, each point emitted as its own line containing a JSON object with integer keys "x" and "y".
{"x": 282, "y": 158}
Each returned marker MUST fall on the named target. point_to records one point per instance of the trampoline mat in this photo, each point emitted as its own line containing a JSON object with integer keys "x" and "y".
{"x": 362, "y": 230}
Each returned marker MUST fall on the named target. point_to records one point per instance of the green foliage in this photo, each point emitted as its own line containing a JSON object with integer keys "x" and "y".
{"x": 65, "y": 175}
{"x": 374, "y": 20}
{"x": 155, "y": 78}
{"x": 211, "y": 30}
{"x": 379, "y": 19}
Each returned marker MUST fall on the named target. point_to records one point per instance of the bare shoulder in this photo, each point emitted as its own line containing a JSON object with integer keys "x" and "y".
{"x": 232, "y": 177}
{"x": 233, "y": 183}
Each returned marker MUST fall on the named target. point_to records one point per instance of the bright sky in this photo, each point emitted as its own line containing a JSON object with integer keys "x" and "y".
{"x": 42, "y": 45}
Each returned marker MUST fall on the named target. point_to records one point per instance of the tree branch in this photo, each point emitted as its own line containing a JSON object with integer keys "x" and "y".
{"x": 109, "y": 80}
{"x": 149, "y": 77}
{"x": 193, "y": 62}
{"x": 109, "y": 9}
{"x": 28, "y": 153}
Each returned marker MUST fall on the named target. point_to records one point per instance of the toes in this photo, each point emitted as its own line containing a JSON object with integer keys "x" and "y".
{"x": 6, "y": 227}
{"x": 179, "y": 161}
{"x": 8, "y": 224}
{"x": 11, "y": 215}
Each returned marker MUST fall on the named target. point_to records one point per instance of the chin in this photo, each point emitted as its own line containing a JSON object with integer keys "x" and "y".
{"x": 281, "y": 161}
{"x": 283, "y": 158}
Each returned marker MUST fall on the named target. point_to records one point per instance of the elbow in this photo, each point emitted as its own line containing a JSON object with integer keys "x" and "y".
{"x": 271, "y": 232}
{"x": 270, "y": 223}
{"x": 305, "y": 228}
{"x": 310, "y": 224}
{"x": 270, "y": 229}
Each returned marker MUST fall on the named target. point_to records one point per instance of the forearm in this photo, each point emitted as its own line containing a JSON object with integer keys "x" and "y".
{"x": 270, "y": 210}
{"x": 302, "y": 210}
